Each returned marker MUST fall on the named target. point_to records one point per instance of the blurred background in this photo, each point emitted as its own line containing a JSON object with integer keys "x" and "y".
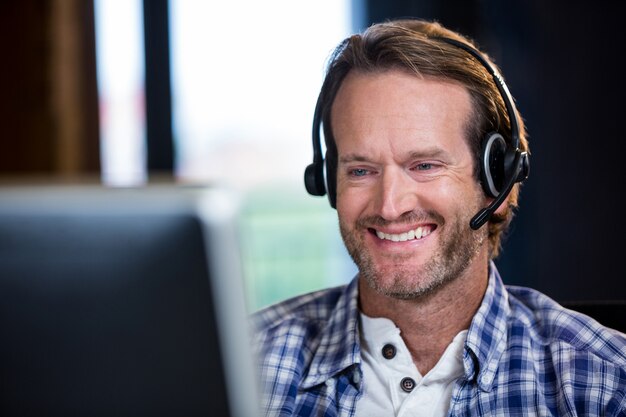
{"x": 132, "y": 92}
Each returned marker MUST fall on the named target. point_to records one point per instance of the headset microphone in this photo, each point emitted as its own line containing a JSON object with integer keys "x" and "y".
{"x": 522, "y": 167}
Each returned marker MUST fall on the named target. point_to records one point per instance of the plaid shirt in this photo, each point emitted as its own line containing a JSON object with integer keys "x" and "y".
{"x": 525, "y": 355}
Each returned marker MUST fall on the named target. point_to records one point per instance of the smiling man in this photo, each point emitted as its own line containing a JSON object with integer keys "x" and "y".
{"x": 425, "y": 151}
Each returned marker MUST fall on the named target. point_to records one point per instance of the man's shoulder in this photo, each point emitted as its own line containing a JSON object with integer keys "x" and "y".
{"x": 557, "y": 328}
{"x": 308, "y": 309}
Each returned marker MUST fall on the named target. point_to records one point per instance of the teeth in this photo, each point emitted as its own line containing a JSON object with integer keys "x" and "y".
{"x": 418, "y": 233}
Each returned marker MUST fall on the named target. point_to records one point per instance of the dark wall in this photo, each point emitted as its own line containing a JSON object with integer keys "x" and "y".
{"x": 562, "y": 63}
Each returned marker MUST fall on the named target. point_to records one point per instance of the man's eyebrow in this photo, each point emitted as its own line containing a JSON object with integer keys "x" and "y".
{"x": 433, "y": 152}
{"x": 353, "y": 157}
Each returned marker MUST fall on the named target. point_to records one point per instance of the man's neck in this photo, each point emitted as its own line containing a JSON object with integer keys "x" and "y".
{"x": 429, "y": 324}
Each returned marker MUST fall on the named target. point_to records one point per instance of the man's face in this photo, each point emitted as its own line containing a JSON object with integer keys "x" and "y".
{"x": 405, "y": 185}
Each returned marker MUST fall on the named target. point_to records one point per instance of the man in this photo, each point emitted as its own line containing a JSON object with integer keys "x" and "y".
{"x": 425, "y": 146}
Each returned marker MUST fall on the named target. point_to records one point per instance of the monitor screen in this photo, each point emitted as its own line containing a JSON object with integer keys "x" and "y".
{"x": 122, "y": 302}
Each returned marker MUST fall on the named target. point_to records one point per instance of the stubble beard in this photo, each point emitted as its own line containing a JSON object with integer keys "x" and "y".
{"x": 457, "y": 249}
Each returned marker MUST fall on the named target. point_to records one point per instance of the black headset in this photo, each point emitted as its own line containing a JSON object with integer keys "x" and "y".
{"x": 502, "y": 164}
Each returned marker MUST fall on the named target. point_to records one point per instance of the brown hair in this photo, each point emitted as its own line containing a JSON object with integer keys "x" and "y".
{"x": 412, "y": 46}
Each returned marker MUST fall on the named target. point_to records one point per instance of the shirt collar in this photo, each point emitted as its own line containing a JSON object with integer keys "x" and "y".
{"x": 487, "y": 335}
{"x": 338, "y": 348}
{"x": 486, "y": 340}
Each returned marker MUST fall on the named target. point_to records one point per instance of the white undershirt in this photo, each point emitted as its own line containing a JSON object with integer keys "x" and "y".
{"x": 382, "y": 378}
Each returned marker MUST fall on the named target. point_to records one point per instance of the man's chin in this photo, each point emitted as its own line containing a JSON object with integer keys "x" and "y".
{"x": 406, "y": 285}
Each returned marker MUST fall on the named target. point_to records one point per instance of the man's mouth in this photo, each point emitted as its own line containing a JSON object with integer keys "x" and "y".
{"x": 415, "y": 234}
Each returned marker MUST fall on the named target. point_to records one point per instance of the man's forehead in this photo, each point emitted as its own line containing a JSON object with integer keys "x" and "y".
{"x": 362, "y": 90}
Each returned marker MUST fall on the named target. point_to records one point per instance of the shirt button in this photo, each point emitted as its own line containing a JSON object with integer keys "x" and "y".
{"x": 389, "y": 351}
{"x": 407, "y": 384}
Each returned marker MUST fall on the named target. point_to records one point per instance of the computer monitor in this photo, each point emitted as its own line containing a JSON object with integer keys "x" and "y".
{"x": 122, "y": 302}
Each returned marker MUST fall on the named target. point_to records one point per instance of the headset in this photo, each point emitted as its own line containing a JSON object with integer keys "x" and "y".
{"x": 502, "y": 164}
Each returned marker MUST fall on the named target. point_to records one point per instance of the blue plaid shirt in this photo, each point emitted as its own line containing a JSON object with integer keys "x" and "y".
{"x": 525, "y": 355}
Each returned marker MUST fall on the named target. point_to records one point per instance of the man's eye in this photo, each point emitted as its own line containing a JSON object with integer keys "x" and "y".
{"x": 359, "y": 172}
{"x": 424, "y": 166}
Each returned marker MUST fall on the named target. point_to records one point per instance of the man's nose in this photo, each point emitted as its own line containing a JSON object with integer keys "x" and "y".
{"x": 396, "y": 194}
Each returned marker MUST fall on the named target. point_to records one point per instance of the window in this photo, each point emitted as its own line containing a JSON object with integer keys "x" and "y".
{"x": 245, "y": 78}
{"x": 120, "y": 69}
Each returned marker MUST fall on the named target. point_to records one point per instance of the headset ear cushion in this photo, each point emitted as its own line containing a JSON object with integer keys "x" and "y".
{"x": 314, "y": 179}
{"x": 493, "y": 172}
